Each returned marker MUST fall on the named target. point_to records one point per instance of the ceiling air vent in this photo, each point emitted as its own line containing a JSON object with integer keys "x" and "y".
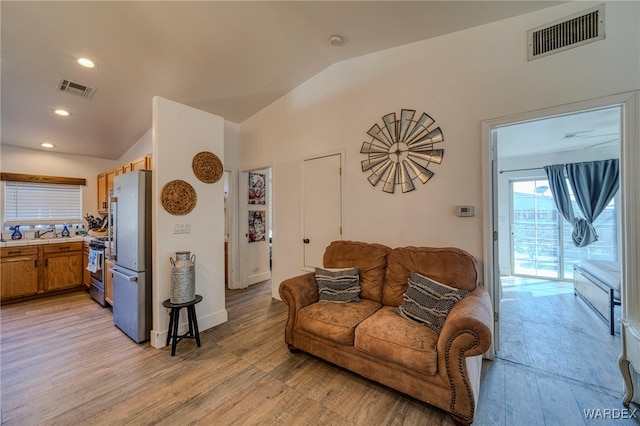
{"x": 76, "y": 88}
{"x": 573, "y": 31}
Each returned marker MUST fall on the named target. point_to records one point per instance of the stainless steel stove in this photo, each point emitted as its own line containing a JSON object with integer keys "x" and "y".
{"x": 96, "y": 290}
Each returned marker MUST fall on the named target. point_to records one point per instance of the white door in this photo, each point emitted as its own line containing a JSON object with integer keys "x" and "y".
{"x": 255, "y": 253}
{"x": 322, "y": 206}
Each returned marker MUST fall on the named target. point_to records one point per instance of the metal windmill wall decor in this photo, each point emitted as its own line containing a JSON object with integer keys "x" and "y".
{"x": 402, "y": 150}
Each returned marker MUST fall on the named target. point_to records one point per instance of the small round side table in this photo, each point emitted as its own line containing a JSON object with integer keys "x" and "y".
{"x": 174, "y": 319}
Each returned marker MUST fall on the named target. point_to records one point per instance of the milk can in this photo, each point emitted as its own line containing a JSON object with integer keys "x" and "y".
{"x": 183, "y": 277}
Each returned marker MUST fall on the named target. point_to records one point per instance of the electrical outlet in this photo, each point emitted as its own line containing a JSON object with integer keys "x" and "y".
{"x": 182, "y": 228}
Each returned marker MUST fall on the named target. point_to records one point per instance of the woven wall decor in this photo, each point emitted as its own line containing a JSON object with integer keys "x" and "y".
{"x": 207, "y": 167}
{"x": 178, "y": 197}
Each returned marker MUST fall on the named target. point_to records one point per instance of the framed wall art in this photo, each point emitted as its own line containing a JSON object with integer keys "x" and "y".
{"x": 257, "y": 226}
{"x": 257, "y": 188}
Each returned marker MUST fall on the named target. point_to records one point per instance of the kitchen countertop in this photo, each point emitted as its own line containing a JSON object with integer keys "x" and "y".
{"x": 35, "y": 242}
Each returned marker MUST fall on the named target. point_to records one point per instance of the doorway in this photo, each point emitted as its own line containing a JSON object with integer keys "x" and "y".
{"x": 255, "y": 230}
{"x": 540, "y": 323}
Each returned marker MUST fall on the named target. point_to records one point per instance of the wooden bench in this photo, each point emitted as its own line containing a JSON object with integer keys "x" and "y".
{"x": 597, "y": 282}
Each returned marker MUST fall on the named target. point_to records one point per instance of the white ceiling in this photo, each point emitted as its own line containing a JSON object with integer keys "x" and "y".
{"x": 593, "y": 129}
{"x": 228, "y": 58}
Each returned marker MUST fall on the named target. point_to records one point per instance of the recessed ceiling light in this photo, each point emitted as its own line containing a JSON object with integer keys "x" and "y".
{"x": 62, "y": 112}
{"x": 87, "y": 63}
{"x": 47, "y": 145}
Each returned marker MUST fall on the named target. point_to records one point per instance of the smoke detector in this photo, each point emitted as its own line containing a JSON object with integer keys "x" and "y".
{"x": 336, "y": 40}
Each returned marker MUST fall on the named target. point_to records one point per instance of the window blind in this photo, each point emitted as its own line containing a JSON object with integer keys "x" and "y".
{"x": 27, "y": 203}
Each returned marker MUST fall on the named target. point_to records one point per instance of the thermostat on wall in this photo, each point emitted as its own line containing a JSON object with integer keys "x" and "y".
{"x": 464, "y": 211}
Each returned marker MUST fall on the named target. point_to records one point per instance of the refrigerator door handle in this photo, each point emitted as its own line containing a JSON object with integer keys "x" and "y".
{"x": 114, "y": 216}
{"x": 125, "y": 276}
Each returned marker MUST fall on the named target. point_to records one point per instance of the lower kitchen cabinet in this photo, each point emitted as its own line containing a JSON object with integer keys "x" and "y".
{"x": 108, "y": 282}
{"x": 30, "y": 270}
{"x": 19, "y": 272}
{"x": 62, "y": 266}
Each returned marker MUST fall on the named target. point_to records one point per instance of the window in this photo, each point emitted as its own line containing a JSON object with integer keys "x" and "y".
{"x": 33, "y": 203}
{"x": 541, "y": 238}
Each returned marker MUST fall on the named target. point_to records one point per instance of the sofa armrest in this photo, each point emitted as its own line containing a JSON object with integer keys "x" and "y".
{"x": 467, "y": 333}
{"x": 467, "y": 330}
{"x": 297, "y": 292}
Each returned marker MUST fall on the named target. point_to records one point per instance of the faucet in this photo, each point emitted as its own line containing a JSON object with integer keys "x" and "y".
{"x": 38, "y": 234}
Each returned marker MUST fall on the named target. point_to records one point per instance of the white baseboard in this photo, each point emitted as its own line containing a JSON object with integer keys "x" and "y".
{"x": 258, "y": 278}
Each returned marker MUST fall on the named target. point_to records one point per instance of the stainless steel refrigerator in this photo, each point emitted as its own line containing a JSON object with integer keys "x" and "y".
{"x": 131, "y": 253}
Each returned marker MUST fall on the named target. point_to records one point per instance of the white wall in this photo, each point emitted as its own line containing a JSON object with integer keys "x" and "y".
{"x": 231, "y": 162}
{"x": 36, "y": 162}
{"x": 459, "y": 79}
{"x": 180, "y": 132}
{"x": 140, "y": 148}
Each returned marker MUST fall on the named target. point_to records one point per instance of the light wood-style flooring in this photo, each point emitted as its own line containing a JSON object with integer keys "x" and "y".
{"x": 63, "y": 362}
{"x": 556, "y": 360}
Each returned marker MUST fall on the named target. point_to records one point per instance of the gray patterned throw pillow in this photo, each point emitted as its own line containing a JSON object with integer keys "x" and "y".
{"x": 428, "y": 302}
{"x": 338, "y": 285}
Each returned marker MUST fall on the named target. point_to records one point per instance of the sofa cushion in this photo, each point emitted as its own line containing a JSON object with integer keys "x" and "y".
{"x": 335, "y": 321}
{"x": 429, "y": 302}
{"x": 447, "y": 265}
{"x": 340, "y": 285}
{"x": 370, "y": 259}
{"x": 397, "y": 340}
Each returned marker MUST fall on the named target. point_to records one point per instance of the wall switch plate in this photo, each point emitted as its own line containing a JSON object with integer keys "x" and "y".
{"x": 465, "y": 211}
{"x": 182, "y": 228}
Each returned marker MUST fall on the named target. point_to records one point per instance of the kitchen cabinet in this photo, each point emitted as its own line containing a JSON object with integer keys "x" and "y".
{"x": 105, "y": 185}
{"x": 19, "y": 268}
{"x": 62, "y": 266}
{"x": 102, "y": 193}
{"x": 110, "y": 176}
{"x": 105, "y": 180}
{"x": 86, "y": 274}
{"x": 139, "y": 164}
{"x": 108, "y": 282}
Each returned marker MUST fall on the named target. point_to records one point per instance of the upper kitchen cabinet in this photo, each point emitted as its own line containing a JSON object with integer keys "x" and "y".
{"x": 102, "y": 193}
{"x": 105, "y": 180}
{"x": 105, "y": 185}
{"x": 139, "y": 164}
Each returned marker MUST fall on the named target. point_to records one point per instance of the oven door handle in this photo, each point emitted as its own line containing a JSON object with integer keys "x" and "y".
{"x": 125, "y": 276}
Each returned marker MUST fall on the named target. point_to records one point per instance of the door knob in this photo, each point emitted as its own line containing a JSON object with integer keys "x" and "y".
{"x": 306, "y": 241}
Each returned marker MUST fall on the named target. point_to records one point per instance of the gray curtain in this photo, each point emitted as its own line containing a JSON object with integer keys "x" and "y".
{"x": 594, "y": 184}
{"x": 560, "y": 191}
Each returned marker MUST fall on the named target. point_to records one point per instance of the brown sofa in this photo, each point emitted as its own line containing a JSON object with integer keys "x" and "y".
{"x": 370, "y": 339}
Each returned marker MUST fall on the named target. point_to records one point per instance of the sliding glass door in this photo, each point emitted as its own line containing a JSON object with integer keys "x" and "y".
{"x": 535, "y": 229}
{"x": 541, "y": 243}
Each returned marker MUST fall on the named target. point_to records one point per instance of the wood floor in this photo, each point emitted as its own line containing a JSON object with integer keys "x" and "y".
{"x": 556, "y": 360}
{"x": 63, "y": 362}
